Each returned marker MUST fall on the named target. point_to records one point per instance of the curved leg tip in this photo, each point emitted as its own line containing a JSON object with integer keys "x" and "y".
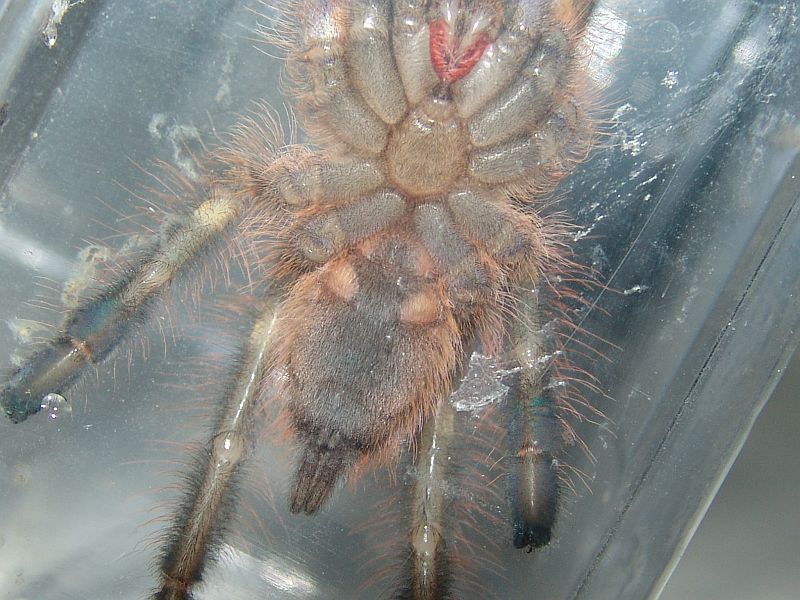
{"x": 531, "y": 536}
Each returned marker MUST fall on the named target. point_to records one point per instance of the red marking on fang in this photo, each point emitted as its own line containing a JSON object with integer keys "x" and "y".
{"x": 450, "y": 64}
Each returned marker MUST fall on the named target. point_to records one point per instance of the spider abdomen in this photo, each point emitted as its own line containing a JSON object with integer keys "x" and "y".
{"x": 368, "y": 346}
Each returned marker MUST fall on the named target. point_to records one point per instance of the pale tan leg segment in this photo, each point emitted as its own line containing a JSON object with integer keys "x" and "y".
{"x": 199, "y": 524}
{"x": 93, "y": 330}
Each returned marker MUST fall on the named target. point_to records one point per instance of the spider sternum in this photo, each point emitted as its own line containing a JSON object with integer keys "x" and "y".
{"x": 427, "y": 151}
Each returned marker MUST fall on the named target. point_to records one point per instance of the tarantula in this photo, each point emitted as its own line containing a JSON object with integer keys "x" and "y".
{"x": 412, "y": 236}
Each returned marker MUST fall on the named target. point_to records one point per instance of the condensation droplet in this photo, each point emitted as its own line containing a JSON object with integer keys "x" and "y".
{"x": 55, "y": 405}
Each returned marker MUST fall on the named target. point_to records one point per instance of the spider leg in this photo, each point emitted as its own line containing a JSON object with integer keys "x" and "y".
{"x": 372, "y": 63}
{"x": 204, "y": 510}
{"x": 532, "y": 156}
{"x": 528, "y": 98}
{"x": 91, "y": 331}
{"x": 316, "y": 237}
{"x": 347, "y": 102}
{"x": 300, "y": 179}
{"x": 411, "y": 45}
{"x": 534, "y": 432}
{"x": 313, "y": 205}
{"x": 427, "y": 570}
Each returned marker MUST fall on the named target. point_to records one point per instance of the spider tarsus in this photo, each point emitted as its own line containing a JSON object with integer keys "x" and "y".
{"x": 48, "y": 371}
{"x": 531, "y": 537}
{"x": 534, "y": 482}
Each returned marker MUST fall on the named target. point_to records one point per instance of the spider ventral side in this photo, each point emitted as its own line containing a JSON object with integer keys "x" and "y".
{"x": 414, "y": 229}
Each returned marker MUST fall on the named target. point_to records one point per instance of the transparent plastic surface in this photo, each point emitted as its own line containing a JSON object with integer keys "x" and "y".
{"x": 688, "y": 212}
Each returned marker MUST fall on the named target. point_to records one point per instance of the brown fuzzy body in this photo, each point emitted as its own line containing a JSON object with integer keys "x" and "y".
{"x": 410, "y": 231}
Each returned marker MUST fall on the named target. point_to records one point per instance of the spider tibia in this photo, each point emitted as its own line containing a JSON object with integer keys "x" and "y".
{"x": 48, "y": 371}
{"x": 209, "y": 497}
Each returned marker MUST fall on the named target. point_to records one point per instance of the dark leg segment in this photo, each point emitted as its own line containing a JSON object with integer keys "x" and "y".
{"x": 534, "y": 481}
{"x": 93, "y": 330}
{"x": 200, "y": 521}
{"x": 534, "y": 431}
